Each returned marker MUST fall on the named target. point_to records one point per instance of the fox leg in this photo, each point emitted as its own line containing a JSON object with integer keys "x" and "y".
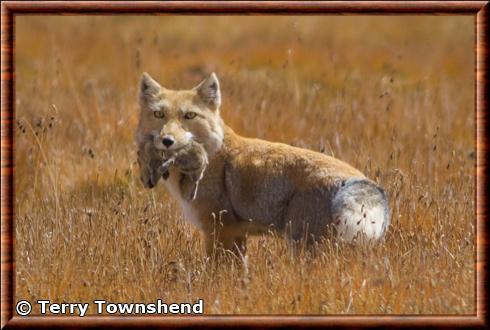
{"x": 214, "y": 244}
{"x": 307, "y": 218}
{"x": 209, "y": 244}
{"x": 239, "y": 246}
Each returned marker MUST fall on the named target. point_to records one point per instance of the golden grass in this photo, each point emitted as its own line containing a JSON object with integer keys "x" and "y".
{"x": 393, "y": 96}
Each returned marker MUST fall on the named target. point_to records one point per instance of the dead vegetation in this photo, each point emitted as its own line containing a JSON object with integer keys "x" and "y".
{"x": 393, "y": 96}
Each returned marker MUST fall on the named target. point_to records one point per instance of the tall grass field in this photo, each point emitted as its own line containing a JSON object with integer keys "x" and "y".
{"x": 391, "y": 95}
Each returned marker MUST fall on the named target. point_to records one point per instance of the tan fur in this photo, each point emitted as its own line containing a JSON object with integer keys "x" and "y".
{"x": 250, "y": 186}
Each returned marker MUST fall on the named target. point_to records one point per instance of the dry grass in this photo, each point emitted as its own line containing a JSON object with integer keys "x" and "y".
{"x": 391, "y": 95}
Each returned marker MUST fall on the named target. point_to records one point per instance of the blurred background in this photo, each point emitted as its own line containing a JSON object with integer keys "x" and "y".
{"x": 391, "y": 95}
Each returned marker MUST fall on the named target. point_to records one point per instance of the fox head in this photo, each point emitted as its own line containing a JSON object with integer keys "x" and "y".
{"x": 174, "y": 118}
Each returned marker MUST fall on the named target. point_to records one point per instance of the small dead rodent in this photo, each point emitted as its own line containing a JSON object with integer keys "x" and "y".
{"x": 191, "y": 160}
{"x": 150, "y": 160}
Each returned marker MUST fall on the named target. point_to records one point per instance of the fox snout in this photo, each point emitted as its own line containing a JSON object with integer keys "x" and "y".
{"x": 168, "y": 140}
{"x": 172, "y": 141}
{"x": 163, "y": 142}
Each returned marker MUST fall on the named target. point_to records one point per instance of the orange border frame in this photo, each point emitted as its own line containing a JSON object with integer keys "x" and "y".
{"x": 9, "y": 9}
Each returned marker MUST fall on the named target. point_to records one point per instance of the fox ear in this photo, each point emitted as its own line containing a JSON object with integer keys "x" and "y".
{"x": 148, "y": 87}
{"x": 209, "y": 92}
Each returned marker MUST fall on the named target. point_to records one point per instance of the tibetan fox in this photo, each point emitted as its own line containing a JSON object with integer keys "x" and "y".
{"x": 250, "y": 186}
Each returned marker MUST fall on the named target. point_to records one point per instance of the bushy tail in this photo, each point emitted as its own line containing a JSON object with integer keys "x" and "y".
{"x": 360, "y": 208}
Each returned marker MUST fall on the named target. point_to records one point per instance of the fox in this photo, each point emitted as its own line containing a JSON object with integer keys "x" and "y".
{"x": 252, "y": 186}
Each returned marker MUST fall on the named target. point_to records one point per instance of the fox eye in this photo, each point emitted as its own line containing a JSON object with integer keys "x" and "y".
{"x": 158, "y": 114}
{"x": 190, "y": 115}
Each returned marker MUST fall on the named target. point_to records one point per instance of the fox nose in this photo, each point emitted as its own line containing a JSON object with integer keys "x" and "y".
{"x": 167, "y": 141}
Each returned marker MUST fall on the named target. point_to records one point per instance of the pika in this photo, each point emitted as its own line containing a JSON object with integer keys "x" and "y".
{"x": 150, "y": 159}
{"x": 191, "y": 160}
